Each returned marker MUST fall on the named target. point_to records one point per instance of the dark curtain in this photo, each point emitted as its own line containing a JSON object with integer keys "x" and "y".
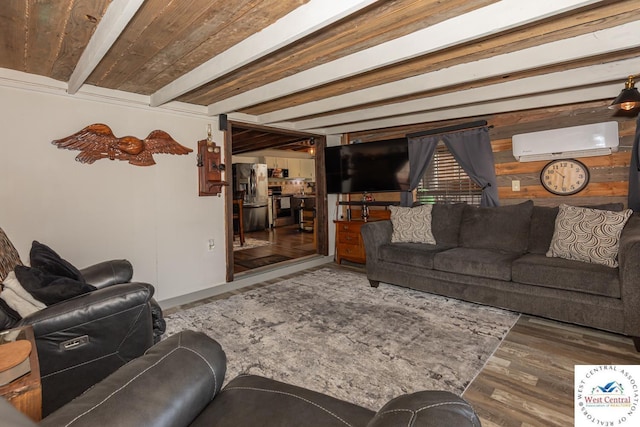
{"x": 471, "y": 149}
{"x": 421, "y": 151}
{"x": 634, "y": 172}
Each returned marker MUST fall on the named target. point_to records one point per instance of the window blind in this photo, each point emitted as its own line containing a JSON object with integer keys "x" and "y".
{"x": 446, "y": 182}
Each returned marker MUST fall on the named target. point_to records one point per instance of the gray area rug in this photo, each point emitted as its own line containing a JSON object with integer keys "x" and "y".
{"x": 331, "y": 332}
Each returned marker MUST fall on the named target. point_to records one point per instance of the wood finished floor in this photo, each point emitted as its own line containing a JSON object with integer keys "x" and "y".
{"x": 529, "y": 379}
{"x": 288, "y": 241}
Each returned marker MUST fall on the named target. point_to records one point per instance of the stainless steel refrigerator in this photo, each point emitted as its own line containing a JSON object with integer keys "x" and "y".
{"x": 253, "y": 180}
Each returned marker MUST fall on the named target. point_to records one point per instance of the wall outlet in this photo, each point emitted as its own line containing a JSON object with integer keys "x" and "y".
{"x": 515, "y": 185}
{"x": 212, "y": 244}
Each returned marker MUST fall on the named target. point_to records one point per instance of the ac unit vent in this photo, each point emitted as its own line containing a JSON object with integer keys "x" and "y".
{"x": 596, "y": 139}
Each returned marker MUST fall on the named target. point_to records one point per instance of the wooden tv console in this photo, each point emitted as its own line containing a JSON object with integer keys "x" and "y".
{"x": 349, "y": 244}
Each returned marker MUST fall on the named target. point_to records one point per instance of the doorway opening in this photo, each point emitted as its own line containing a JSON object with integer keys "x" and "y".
{"x": 279, "y": 174}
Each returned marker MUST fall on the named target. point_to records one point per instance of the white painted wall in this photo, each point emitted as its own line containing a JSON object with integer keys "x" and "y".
{"x": 111, "y": 209}
{"x": 332, "y": 202}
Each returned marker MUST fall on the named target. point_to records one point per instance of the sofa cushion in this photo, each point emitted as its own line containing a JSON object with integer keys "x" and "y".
{"x": 18, "y": 298}
{"x": 588, "y": 235}
{"x": 49, "y": 288}
{"x": 51, "y": 279}
{"x": 412, "y": 224}
{"x": 445, "y": 223}
{"x": 543, "y": 223}
{"x": 559, "y": 273}
{"x": 412, "y": 254}
{"x": 503, "y": 228}
{"x": 487, "y": 263}
{"x": 247, "y": 399}
{"x": 45, "y": 258}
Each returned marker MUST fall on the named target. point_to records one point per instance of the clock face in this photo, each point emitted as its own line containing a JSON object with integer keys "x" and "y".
{"x": 564, "y": 177}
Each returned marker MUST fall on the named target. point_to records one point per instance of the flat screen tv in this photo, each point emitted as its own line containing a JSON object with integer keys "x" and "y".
{"x": 368, "y": 167}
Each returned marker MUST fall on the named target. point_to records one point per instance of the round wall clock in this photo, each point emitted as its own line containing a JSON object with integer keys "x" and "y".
{"x": 564, "y": 177}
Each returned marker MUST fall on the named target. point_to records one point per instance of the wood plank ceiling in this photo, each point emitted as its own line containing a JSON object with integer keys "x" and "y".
{"x": 329, "y": 66}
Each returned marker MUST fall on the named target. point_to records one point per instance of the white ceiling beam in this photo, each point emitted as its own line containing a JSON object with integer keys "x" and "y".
{"x": 305, "y": 20}
{"x": 561, "y": 80}
{"x": 114, "y": 21}
{"x": 478, "y": 110}
{"x": 492, "y": 19}
{"x": 601, "y": 42}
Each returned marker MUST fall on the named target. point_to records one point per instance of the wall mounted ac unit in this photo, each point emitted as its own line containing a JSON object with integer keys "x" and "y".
{"x": 597, "y": 139}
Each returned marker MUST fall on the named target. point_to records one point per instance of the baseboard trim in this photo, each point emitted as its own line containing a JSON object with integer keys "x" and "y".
{"x": 248, "y": 279}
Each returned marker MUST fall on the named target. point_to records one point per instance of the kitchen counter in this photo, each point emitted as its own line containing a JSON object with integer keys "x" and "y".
{"x": 308, "y": 200}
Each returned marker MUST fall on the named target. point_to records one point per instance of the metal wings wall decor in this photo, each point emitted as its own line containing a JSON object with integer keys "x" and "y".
{"x": 97, "y": 141}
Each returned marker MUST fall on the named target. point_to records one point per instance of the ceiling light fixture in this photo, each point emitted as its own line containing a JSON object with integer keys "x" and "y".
{"x": 312, "y": 149}
{"x": 629, "y": 97}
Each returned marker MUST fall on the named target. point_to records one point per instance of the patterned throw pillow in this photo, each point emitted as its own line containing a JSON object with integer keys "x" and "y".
{"x": 588, "y": 235}
{"x": 9, "y": 257}
{"x": 412, "y": 224}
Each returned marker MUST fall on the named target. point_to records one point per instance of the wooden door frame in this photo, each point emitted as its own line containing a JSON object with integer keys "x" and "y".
{"x": 322, "y": 213}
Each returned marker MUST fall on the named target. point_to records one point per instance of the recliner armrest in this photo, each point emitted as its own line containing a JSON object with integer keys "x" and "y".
{"x": 88, "y": 307}
{"x": 426, "y": 408}
{"x": 83, "y": 339}
{"x": 170, "y": 385}
{"x": 108, "y": 273}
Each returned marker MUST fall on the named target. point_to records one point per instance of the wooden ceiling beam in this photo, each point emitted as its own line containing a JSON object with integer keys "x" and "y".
{"x": 377, "y": 24}
{"x": 601, "y": 42}
{"x": 303, "y": 21}
{"x": 114, "y": 21}
{"x": 527, "y": 86}
{"x": 480, "y": 23}
{"x": 480, "y": 109}
{"x": 583, "y": 21}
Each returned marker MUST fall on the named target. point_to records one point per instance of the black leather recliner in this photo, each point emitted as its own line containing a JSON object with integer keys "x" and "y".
{"x": 178, "y": 382}
{"x": 82, "y": 340}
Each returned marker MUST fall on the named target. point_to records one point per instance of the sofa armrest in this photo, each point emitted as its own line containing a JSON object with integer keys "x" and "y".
{"x": 170, "y": 385}
{"x": 82, "y": 340}
{"x": 629, "y": 265}
{"x": 374, "y": 235}
{"x": 426, "y": 408}
{"x": 89, "y": 307}
{"x": 108, "y": 273}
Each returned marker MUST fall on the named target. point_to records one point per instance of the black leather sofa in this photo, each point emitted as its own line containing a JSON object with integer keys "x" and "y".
{"x": 178, "y": 382}
{"x": 83, "y": 339}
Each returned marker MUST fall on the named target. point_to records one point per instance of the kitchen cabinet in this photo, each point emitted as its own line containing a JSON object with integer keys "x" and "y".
{"x": 308, "y": 169}
{"x": 276, "y": 162}
{"x": 302, "y": 168}
{"x": 271, "y": 162}
{"x": 294, "y": 168}
{"x": 298, "y": 168}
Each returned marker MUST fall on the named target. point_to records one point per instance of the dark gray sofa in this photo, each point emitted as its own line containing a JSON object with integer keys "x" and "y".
{"x": 496, "y": 257}
{"x": 178, "y": 382}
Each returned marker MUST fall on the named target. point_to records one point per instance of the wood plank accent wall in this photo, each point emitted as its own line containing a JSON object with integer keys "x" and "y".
{"x": 609, "y": 174}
